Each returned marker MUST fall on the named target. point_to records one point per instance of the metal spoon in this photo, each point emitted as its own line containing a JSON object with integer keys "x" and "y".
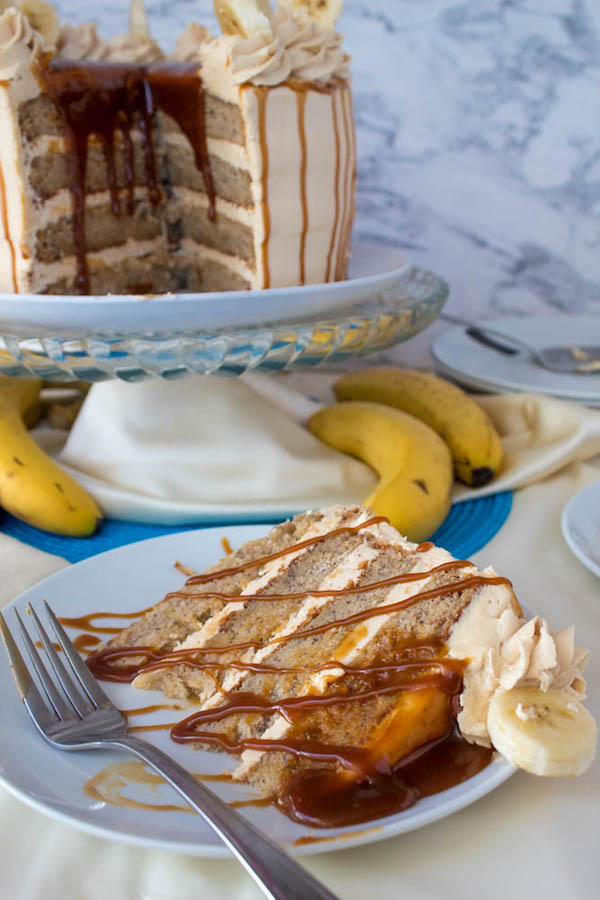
{"x": 569, "y": 359}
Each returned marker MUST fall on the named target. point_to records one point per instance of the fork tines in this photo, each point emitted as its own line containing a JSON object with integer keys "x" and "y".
{"x": 70, "y": 692}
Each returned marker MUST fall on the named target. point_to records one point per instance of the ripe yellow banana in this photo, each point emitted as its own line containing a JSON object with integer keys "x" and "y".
{"x": 413, "y": 463}
{"x": 32, "y": 487}
{"x": 467, "y": 429}
{"x": 544, "y": 732}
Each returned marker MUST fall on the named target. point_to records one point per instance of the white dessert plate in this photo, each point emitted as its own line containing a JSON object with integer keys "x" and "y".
{"x": 581, "y": 526}
{"x": 373, "y": 269}
{"x": 127, "y": 579}
{"x": 475, "y": 365}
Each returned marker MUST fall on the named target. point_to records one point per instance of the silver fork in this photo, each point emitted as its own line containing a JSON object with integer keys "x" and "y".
{"x": 72, "y": 712}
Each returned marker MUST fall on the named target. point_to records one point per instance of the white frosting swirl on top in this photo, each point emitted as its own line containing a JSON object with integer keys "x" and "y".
{"x": 504, "y": 650}
{"x": 84, "y": 42}
{"x": 19, "y": 43}
{"x": 296, "y": 49}
{"x": 129, "y": 49}
{"x": 81, "y": 42}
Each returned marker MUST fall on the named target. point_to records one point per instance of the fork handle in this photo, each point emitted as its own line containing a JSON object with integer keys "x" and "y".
{"x": 278, "y": 875}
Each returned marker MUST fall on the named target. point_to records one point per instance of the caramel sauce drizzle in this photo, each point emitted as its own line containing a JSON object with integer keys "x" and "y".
{"x": 298, "y": 595}
{"x": 352, "y": 187}
{"x": 301, "y": 545}
{"x": 102, "y": 98}
{"x": 261, "y": 94}
{"x": 341, "y": 260}
{"x": 301, "y": 108}
{"x": 448, "y": 679}
{"x": 5, "y": 226}
{"x": 336, "y": 216}
{"x": 178, "y": 90}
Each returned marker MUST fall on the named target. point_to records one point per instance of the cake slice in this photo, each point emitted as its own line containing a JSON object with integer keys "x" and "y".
{"x": 336, "y": 654}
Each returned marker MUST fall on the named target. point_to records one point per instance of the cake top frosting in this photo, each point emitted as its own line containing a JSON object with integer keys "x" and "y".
{"x": 278, "y": 45}
{"x": 19, "y": 42}
{"x": 292, "y": 48}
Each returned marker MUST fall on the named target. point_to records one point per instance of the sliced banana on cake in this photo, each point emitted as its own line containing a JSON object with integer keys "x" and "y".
{"x": 325, "y": 12}
{"x": 138, "y": 20}
{"x": 43, "y": 18}
{"x": 544, "y": 732}
{"x": 246, "y": 18}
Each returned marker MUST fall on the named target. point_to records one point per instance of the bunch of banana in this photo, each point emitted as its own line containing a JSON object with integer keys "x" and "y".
{"x": 42, "y": 17}
{"x": 544, "y": 732}
{"x": 412, "y": 461}
{"x": 467, "y": 429}
{"x": 32, "y": 486}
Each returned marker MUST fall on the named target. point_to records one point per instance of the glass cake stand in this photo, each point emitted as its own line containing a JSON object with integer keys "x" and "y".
{"x": 391, "y": 316}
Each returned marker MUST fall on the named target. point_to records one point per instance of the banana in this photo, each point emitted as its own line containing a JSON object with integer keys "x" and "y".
{"x": 138, "y": 20}
{"x": 467, "y": 429}
{"x": 32, "y": 487}
{"x": 325, "y": 12}
{"x": 43, "y": 17}
{"x": 543, "y": 732}
{"x": 246, "y": 18}
{"x": 413, "y": 463}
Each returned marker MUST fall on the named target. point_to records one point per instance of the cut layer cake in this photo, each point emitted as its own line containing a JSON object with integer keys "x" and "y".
{"x": 227, "y": 165}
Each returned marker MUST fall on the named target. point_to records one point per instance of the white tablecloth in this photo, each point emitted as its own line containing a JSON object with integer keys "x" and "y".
{"x": 530, "y": 838}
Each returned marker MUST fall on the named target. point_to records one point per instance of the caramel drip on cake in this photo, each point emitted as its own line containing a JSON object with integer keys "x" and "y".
{"x": 336, "y": 186}
{"x": 301, "y": 102}
{"x": 101, "y": 98}
{"x": 352, "y": 185}
{"x": 5, "y": 226}
{"x": 178, "y": 91}
{"x": 261, "y": 95}
{"x": 346, "y": 215}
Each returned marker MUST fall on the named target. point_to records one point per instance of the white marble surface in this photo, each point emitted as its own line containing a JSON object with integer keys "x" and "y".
{"x": 478, "y": 127}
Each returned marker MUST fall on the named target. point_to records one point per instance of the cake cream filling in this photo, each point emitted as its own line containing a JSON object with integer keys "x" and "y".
{"x": 270, "y": 571}
{"x": 505, "y": 651}
{"x": 357, "y": 640}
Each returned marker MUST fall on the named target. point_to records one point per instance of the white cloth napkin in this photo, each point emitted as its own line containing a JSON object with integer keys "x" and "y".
{"x": 206, "y": 448}
{"x": 530, "y": 838}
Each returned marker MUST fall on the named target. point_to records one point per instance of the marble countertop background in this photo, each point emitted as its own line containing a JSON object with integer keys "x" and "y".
{"x": 479, "y": 139}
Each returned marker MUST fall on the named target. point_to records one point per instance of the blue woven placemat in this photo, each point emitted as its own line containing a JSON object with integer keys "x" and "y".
{"x": 468, "y": 527}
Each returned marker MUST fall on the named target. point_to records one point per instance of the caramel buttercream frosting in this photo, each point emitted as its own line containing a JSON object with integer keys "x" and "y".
{"x": 295, "y": 48}
{"x": 504, "y": 651}
{"x": 19, "y": 43}
{"x": 81, "y": 42}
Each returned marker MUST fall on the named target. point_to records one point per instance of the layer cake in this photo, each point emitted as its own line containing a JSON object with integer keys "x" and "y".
{"x": 228, "y": 165}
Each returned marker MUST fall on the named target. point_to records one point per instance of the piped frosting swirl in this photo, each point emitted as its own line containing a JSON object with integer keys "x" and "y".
{"x": 18, "y": 40}
{"x": 296, "y": 49}
{"x": 506, "y": 651}
{"x": 84, "y": 43}
{"x": 81, "y": 42}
